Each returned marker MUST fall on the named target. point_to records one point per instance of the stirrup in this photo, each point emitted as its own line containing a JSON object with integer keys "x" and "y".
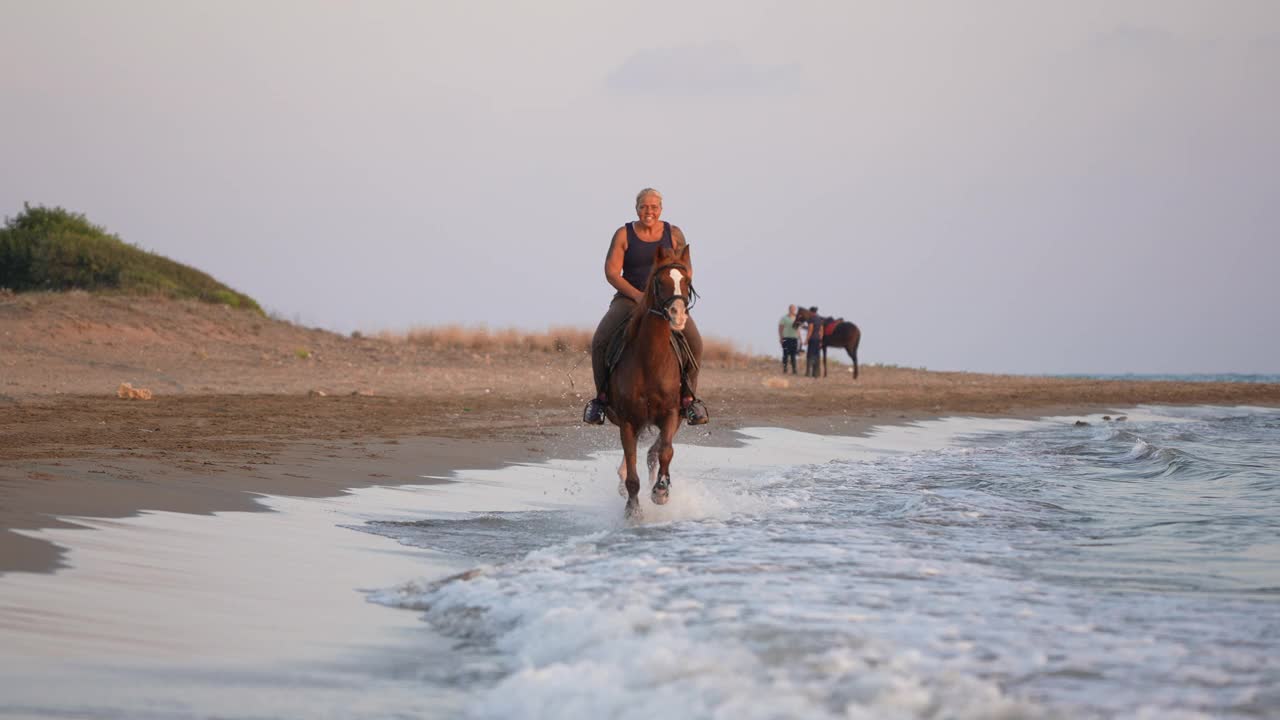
{"x": 593, "y": 413}
{"x": 697, "y": 413}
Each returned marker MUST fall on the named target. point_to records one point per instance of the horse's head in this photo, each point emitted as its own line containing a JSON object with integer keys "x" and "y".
{"x": 671, "y": 293}
{"x": 802, "y": 316}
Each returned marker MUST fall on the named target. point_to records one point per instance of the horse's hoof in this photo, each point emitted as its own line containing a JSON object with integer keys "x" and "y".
{"x": 622, "y": 488}
{"x": 633, "y": 511}
{"x": 661, "y": 492}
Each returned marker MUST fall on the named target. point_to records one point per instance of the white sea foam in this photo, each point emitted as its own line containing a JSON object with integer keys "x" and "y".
{"x": 588, "y": 628}
{"x": 815, "y": 577}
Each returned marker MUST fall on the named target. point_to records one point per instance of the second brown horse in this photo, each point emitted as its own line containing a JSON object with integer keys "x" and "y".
{"x": 645, "y": 384}
{"x": 838, "y": 334}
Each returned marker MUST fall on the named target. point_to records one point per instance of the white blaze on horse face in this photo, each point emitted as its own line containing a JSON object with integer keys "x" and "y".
{"x": 678, "y": 310}
{"x": 676, "y": 278}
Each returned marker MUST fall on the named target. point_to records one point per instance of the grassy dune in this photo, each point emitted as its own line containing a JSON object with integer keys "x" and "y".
{"x": 55, "y": 249}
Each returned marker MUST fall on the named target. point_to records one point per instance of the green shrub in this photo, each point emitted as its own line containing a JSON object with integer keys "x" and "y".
{"x": 55, "y": 249}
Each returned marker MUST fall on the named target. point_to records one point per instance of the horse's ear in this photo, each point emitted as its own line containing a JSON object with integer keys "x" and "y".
{"x": 663, "y": 256}
{"x": 684, "y": 254}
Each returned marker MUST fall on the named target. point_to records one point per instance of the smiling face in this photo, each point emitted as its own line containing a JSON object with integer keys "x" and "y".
{"x": 649, "y": 209}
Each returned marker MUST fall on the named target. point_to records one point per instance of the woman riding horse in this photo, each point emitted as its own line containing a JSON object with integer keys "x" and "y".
{"x": 626, "y": 267}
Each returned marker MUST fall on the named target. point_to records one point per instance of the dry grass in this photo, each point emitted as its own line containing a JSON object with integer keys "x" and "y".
{"x": 717, "y": 352}
{"x": 480, "y": 339}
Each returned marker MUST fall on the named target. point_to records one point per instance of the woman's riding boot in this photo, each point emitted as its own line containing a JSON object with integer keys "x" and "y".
{"x": 696, "y": 413}
{"x": 593, "y": 413}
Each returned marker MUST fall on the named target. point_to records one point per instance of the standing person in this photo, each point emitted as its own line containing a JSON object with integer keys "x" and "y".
{"x": 626, "y": 268}
{"x": 789, "y": 335}
{"x": 814, "y": 350}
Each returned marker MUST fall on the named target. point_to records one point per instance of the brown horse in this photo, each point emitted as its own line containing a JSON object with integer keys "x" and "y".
{"x": 645, "y": 385}
{"x": 844, "y": 334}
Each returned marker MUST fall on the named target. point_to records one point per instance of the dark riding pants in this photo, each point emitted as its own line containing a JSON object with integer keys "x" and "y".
{"x": 813, "y": 359}
{"x": 619, "y": 311}
{"x": 790, "y": 349}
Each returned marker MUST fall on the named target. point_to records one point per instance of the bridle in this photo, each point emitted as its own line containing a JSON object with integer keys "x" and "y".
{"x": 665, "y": 312}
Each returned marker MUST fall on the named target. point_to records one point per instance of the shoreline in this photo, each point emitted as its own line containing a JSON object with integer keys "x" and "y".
{"x": 100, "y": 483}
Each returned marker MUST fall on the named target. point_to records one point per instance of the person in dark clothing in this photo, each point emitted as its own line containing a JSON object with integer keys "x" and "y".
{"x": 813, "y": 354}
{"x": 626, "y": 268}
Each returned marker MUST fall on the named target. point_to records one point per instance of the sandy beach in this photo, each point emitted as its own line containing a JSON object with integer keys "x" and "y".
{"x": 296, "y": 306}
{"x": 244, "y": 404}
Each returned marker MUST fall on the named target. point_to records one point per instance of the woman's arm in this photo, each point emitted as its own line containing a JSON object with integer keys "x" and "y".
{"x": 613, "y": 266}
{"x": 677, "y": 238}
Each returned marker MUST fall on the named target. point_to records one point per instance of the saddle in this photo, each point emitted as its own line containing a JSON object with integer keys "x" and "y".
{"x": 679, "y": 344}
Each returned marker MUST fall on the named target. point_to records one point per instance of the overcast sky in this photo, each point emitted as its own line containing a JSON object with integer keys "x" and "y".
{"x": 1033, "y": 187}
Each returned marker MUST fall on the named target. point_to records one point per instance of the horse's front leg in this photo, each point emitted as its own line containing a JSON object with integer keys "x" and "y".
{"x": 651, "y": 459}
{"x": 665, "y": 445}
{"x": 629, "y": 433}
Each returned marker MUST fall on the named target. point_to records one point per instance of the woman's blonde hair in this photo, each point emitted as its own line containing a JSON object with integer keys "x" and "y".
{"x": 647, "y": 191}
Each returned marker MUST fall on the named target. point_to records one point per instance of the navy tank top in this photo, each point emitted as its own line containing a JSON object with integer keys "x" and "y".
{"x": 638, "y": 260}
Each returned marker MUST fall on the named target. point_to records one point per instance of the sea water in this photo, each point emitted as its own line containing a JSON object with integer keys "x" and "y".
{"x": 1128, "y": 568}
{"x": 1169, "y": 377}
